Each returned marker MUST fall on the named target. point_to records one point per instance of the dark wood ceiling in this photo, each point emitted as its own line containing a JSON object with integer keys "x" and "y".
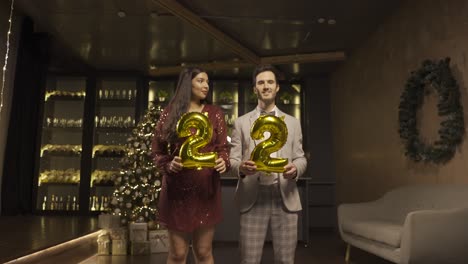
{"x": 156, "y": 37}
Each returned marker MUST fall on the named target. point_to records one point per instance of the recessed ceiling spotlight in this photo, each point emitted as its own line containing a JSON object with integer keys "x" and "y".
{"x": 121, "y": 14}
{"x": 321, "y": 20}
{"x": 331, "y": 21}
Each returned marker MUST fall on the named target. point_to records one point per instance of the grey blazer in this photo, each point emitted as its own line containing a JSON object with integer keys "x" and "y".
{"x": 242, "y": 146}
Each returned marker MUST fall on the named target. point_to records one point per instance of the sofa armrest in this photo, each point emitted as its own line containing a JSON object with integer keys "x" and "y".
{"x": 357, "y": 211}
{"x": 435, "y": 236}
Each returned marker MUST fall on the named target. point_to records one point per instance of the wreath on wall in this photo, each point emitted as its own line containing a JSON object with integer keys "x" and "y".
{"x": 436, "y": 75}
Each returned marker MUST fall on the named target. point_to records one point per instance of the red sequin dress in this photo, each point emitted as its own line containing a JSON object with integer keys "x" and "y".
{"x": 191, "y": 198}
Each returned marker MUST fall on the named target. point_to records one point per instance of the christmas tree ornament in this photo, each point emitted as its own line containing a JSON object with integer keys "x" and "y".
{"x": 157, "y": 183}
{"x": 138, "y": 178}
{"x": 151, "y": 225}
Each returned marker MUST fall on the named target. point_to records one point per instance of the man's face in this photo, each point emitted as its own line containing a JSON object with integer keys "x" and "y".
{"x": 266, "y": 86}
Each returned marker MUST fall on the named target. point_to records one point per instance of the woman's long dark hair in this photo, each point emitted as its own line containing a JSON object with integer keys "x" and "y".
{"x": 179, "y": 104}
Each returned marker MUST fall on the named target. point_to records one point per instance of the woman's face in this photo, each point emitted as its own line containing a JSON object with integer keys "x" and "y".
{"x": 200, "y": 86}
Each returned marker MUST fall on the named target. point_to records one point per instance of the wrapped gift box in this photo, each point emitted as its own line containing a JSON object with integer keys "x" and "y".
{"x": 138, "y": 232}
{"x": 104, "y": 244}
{"x": 140, "y": 247}
{"x": 108, "y": 221}
{"x": 104, "y": 248}
{"x": 119, "y": 247}
{"x": 118, "y": 233}
{"x": 159, "y": 241}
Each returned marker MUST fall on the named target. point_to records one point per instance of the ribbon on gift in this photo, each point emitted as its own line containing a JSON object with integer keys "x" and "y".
{"x": 161, "y": 238}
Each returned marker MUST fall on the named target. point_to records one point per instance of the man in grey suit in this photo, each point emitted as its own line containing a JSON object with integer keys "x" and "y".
{"x": 267, "y": 198}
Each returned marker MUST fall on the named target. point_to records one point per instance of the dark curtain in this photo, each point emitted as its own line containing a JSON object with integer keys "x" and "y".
{"x": 22, "y": 143}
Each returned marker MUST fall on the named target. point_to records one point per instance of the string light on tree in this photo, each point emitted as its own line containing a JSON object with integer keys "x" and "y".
{"x": 10, "y": 19}
{"x": 138, "y": 183}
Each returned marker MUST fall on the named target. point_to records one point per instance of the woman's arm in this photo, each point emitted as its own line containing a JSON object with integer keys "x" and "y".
{"x": 221, "y": 145}
{"x": 159, "y": 147}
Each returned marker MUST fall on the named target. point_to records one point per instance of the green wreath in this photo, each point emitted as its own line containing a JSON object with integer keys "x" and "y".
{"x": 452, "y": 128}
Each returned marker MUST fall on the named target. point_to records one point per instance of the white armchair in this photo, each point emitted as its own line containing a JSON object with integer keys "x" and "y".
{"x": 411, "y": 224}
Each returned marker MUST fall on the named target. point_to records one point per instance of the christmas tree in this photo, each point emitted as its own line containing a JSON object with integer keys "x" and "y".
{"x": 139, "y": 182}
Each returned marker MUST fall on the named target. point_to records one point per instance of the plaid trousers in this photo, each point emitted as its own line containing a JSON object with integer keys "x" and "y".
{"x": 268, "y": 210}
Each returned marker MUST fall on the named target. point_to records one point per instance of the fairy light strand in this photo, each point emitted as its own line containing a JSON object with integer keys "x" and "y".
{"x": 10, "y": 20}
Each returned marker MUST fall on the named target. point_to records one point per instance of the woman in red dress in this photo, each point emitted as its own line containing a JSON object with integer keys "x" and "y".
{"x": 190, "y": 200}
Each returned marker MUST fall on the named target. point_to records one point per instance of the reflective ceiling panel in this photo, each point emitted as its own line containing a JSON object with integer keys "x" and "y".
{"x": 132, "y": 35}
{"x": 284, "y": 27}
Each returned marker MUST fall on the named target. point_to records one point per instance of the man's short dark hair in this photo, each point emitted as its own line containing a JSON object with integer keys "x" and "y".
{"x": 263, "y": 68}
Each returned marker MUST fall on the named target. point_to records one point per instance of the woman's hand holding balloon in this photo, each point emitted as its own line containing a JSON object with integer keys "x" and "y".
{"x": 220, "y": 165}
{"x": 175, "y": 165}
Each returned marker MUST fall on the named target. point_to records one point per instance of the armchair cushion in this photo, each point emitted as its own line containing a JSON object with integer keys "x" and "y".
{"x": 381, "y": 231}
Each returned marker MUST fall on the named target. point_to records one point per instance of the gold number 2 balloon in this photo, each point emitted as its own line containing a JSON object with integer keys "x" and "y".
{"x": 189, "y": 154}
{"x": 261, "y": 153}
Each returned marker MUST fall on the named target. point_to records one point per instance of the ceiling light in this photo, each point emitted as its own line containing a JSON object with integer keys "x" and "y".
{"x": 331, "y": 21}
{"x": 321, "y": 20}
{"x": 296, "y": 68}
{"x": 121, "y": 14}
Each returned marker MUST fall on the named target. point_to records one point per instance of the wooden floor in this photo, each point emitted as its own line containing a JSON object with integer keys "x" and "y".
{"x": 325, "y": 248}
{"x": 23, "y": 235}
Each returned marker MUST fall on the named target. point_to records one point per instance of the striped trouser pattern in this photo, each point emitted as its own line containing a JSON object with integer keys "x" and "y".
{"x": 268, "y": 209}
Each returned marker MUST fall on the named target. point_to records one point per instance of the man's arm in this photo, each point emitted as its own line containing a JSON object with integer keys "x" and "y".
{"x": 235, "y": 156}
{"x": 298, "y": 158}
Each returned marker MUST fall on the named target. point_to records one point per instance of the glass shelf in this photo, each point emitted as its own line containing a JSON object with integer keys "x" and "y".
{"x": 109, "y": 155}
{"x": 58, "y": 198}
{"x": 63, "y": 129}
{"x": 289, "y": 99}
{"x": 117, "y": 89}
{"x": 61, "y": 151}
{"x": 115, "y": 118}
{"x": 160, "y": 93}
{"x": 116, "y": 102}
{"x": 47, "y": 184}
{"x": 226, "y": 96}
{"x": 126, "y": 130}
{"x": 58, "y": 95}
